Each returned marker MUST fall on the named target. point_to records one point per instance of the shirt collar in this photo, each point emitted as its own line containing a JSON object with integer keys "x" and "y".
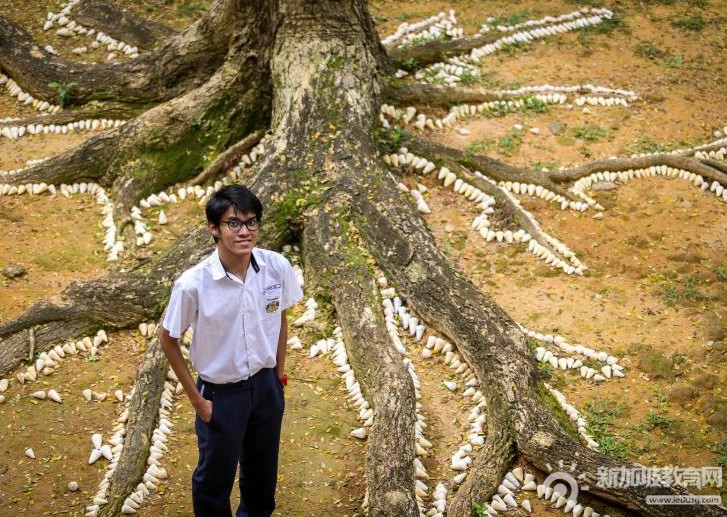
{"x": 218, "y": 270}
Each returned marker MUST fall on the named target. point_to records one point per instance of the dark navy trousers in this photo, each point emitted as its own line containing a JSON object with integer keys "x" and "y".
{"x": 244, "y": 431}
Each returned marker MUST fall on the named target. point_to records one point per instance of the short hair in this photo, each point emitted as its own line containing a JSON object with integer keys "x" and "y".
{"x": 238, "y": 196}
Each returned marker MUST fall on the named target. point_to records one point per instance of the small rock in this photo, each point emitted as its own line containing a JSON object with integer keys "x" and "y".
{"x": 14, "y": 271}
{"x": 535, "y": 130}
{"x": 463, "y": 131}
{"x": 598, "y": 215}
{"x": 556, "y": 128}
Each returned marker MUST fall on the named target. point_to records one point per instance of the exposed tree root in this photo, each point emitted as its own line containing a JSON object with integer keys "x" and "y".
{"x": 337, "y": 263}
{"x": 120, "y": 300}
{"x": 121, "y": 24}
{"x": 227, "y": 159}
{"x": 167, "y": 144}
{"x": 141, "y": 422}
{"x": 436, "y": 51}
{"x": 675, "y": 161}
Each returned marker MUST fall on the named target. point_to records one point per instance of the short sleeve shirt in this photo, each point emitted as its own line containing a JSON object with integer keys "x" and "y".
{"x": 236, "y": 324}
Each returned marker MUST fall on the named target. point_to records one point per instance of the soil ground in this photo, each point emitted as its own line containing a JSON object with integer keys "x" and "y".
{"x": 655, "y": 293}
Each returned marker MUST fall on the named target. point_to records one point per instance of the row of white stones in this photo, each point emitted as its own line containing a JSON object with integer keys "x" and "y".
{"x": 492, "y": 23}
{"x": 335, "y": 348}
{"x": 697, "y": 180}
{"x": 117, "y": 440}
{"x": 111, "y": 243}
{"x": 24, "y": 97}
{"x": 154, "y": 472}
{"x": 395, "y": 313}
{"x": 47, "y": 362}
{"x": 15, "y": 132}
{"x": 445, "y": 27}
{"x": 611, "y": 367}
{"x": 574, "y": 415}
{"x": 569, "y": 262}
{"x": 68, "y": 28}
{"x": 390, "y": 115}
{"x": 451, "y": 71}
{"x": 518, "y": 480}
{"x": 393, "y": 309}
{"x": 514, "y": 481}
{"x": 197, "y": 192}
{"x": 411, "y": 30}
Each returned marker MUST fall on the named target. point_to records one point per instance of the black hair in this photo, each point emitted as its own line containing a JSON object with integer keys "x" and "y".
{"x": 238, "y": 196}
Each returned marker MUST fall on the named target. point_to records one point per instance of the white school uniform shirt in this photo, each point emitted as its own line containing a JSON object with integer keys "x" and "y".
{"x": 236, "y": 324}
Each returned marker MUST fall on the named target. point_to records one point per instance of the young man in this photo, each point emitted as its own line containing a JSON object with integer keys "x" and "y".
{"x": 235, "y": 300}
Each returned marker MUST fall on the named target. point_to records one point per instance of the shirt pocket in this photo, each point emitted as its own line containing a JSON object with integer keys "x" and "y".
{"x": 271, "y": 300}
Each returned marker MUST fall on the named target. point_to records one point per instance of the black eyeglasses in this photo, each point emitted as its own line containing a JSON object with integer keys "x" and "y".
{"x": 235, "y": 224}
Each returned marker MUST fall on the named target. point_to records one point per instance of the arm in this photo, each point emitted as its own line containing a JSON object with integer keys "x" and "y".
{"x": 170, "y": 346}
{"x": 282, "y": 345}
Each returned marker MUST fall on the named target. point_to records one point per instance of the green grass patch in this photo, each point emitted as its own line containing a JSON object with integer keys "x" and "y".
{"x": 535, "y": 104}
{"x": 693, "y": 22}
{"x": 645, "y": 144}
{"x": 64, "y": 91}
{"x": 539, "y": 166}
{"x": 480, "y": 508}
{"x": 721, "y": 451}
{"x": 607, "y": 25}
{"x": 479, "y": 145}
{"x": 601, "y": 416}
{"x": 649, "y": 50}
{"x": 188, "y": 10}
{"x": 681, "y": 293}
{"x": 390, "y": 140}
{"x": 721, "y": 272}
{"x": 515, "y": 47}
{"x": 673, "y": 61}
{"x": 509, "y": 20}
{"x": 468, "y": 78}
{"x": 659, "y": 420}
{"x": 510, "y": 143}
{"x": 590, "y": 133}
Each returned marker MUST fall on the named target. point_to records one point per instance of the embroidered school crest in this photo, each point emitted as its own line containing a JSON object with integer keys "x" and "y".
{"x": 272, "y": 306}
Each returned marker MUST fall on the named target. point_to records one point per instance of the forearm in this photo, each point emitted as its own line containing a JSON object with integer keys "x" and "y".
{"x": 172, "y": 350}
{"x": 282, "y": 346}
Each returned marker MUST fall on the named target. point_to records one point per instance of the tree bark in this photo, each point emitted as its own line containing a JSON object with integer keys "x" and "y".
{"x": 121, "y": 24}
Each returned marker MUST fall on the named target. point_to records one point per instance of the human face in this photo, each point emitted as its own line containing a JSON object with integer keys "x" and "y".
{"x": 234, "y": 244}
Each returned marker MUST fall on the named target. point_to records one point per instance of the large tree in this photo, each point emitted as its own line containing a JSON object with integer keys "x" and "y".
{"x": 307, "y": 78}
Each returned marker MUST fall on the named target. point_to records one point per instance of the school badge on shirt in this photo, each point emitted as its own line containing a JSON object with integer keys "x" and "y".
{"x": 272, "y": 296}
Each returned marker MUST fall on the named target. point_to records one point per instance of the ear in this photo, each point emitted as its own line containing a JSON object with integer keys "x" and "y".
{"x": 214, "y": 230}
